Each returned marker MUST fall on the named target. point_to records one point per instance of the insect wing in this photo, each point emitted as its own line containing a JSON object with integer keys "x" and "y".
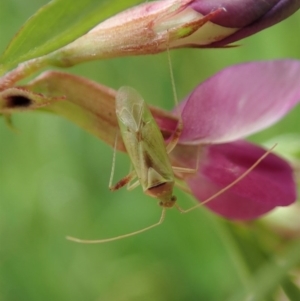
{"x": 143, "y": 139}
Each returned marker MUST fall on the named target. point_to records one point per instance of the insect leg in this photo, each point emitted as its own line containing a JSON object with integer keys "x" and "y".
{"x": 127, "y": 179}
{"x": 134, "y": 185}
{"x": 182, "y": 186}
{"x": 175, "y": 136}
{"x": 184, "y": 169}
{"x": 124, "y": 181}
{"x": 113, "y": 163}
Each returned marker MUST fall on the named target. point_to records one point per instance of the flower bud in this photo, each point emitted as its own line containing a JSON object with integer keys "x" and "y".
{"x": 154, "y": 27}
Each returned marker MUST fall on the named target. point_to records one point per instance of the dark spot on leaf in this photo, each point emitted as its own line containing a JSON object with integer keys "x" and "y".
{"x": 18, "y": 101}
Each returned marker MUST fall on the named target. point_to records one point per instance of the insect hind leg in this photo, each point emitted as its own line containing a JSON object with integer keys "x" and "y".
{"x": 124, "y": 181}
{"x": 133, "y": 185}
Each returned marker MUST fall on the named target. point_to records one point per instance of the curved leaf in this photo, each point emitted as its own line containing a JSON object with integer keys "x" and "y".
{"x": 57, "y": 24}
{"x": 270, "y": 276}
{"x": 291, "y": 289}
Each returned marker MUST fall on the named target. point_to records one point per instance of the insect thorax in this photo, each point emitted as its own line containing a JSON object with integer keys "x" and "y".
{"x": 163, "y": 192}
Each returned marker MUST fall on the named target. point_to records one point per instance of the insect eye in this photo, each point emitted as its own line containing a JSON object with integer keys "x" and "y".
{"x": 173, "y": 198}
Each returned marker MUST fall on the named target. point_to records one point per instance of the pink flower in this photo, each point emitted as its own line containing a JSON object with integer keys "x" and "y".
{"x": 234, "y": 103}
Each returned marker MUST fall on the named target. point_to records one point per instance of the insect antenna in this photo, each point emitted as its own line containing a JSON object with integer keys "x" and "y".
{"x": 176, "y": 134}
{"x": 100, "y": 241}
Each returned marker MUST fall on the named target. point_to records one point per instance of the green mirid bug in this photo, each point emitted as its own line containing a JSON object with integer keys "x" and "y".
{"x": 146, "y": 147}
{"x": 149, "y": 156}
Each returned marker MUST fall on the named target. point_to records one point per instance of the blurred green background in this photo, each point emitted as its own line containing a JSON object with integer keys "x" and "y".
{"x": 54, "y": 182}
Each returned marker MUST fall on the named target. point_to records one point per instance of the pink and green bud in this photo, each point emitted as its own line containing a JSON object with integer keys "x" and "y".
{"x": 154, "y": 27}
{"x": 149, "y": 28}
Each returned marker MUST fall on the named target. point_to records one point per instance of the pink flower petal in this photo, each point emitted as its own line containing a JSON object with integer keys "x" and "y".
{"x": 240, "y": 100}
{"x": 269, "y": 185}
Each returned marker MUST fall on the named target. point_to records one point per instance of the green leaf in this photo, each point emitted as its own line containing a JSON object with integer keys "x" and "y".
{"x": 291, "y": 290}
{"x": 271, "y": 275}
{"x": 57, "y": 24}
